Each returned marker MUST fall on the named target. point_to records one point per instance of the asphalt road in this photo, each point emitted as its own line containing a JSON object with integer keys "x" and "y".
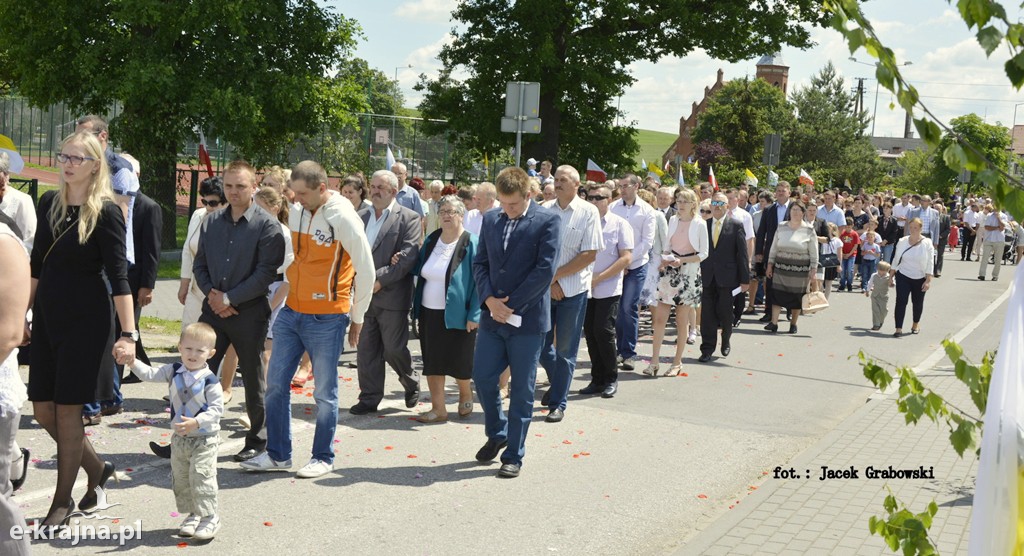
{"x": 637, "y": 474}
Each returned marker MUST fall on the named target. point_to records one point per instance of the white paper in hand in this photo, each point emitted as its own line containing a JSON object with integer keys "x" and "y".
{"x": 515, "y": 320}
{"x": 737, "y": 291}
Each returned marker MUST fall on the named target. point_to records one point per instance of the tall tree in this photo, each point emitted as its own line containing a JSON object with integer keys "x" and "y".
{"x": 739, "y": 116}
{"x": 579, "y": 51}
{"x": 991, "y": 140}
{"x": 252, "y": 71}
{"x": 828, "y": 134}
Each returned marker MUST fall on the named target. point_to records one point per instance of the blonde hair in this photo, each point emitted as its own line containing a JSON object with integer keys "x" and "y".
{"x": 690, "y": 196}
{"x": 272, "y": 197}
{"x": 278, "y": 176}
{"x": 99, "y": 190}
{"x": 200, "y": 332}
{"x": 646, "y": 195}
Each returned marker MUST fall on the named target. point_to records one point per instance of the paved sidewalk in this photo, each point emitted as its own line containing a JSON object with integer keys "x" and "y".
{"x": 809, "y": 516}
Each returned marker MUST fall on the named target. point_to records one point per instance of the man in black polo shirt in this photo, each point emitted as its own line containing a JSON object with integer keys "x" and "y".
{"x": 240, "y": 249}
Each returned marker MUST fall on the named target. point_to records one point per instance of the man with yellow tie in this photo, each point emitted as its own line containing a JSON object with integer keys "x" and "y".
{"x": 725, "y": 270}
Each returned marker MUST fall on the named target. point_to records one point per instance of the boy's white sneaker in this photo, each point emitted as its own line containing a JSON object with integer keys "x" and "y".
{"x": 188, "y": 527}
{"x": 208, "y": 527}
{"x": 315, "y": 468}
{"x": 264, "y": 462}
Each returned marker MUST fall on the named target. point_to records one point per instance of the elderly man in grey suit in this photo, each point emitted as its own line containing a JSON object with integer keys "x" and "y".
{"x": 394, "y": 234}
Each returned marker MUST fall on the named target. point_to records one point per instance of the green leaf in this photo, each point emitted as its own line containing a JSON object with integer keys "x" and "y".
{"x": 963, "y": 437}
{"x": 855, "y": 39}
{"x": 1013, "y": 202}
{"x": 954, "y": 157}
{"x": 933, "y": 508}
{"x": 890, "y": 503}
{"x": 885, "y": 75}
{"x": 990, "y": 38}
{"x": 1013, "y": 34}
{"x": 1015, "y": 70}
{"x": 980, "y": 11}
{"x": 928, "y": 130}
{"x": 965, "y": 12}
{"x": 976, "y": 161}
{"x": 953, "y": 350}
{"x": 915, "y": 408}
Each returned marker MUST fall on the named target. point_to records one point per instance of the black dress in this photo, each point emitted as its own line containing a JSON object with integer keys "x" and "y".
{"x": 73, "y": 319}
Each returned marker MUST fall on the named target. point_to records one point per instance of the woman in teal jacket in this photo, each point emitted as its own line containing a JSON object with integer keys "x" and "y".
{"x": 448, "y": 309}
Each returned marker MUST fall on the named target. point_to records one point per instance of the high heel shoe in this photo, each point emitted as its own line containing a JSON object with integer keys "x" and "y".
{"x": 792, "y": 329}
{"x": 97, "y": 498}
{"x": 69, "y": 511}
{"x": 651, "y": 370}
{"x": 16, "y": 483}
{"x": 771, "y": 327}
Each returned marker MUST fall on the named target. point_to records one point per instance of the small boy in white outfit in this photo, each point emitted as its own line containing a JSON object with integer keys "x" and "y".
{"x": 878, "y": 291}
{"x": 197, "y": 403}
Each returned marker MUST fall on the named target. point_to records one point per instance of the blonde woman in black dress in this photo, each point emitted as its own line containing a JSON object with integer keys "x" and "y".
{"x": 81, "y": 236}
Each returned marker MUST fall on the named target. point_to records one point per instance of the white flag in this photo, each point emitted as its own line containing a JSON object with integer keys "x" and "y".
{"x": 994, "y": 521}
{"x": 390, "y": 161}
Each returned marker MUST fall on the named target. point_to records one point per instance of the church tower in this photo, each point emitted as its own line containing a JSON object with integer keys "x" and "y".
{"x": 774, "y": 70}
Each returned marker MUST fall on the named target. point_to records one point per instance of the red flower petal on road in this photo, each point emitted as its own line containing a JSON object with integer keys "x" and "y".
{"x": 183, "y": 545}
{"x": 780, "y": 355}
{"x": 576, "y": 456}
{"x": 584, "y": 453}
{"x": 750, "y": 374}
{"x": 369, "y": 449}
{"x": 268, "y": 524}
{"x": 566, "y": 442}
{"x": 684, "y": 375}
{"x": 412, "y": 456}
{"x": 702, "y": 496}
{"x": 389, "y": 447}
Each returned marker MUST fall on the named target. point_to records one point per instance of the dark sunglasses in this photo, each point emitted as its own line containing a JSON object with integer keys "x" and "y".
{"x": 596, "y": 197}
{"x": 213, "y": 204}
{"x": 718, "y": 203}
{"x": 705, "y": 212}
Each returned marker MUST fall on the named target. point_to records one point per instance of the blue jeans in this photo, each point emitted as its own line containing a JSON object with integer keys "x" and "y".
{"x": 867, "y": 268}
{"x": 567, "y": 325}
{"x": 496, "y": 350}
{"x": 627, "y": 323}
{"x": 91, "y": 409}
{"x": 322, "y": 336}
{"x": 846, "y": 273}
{"x": 887, "y": 251}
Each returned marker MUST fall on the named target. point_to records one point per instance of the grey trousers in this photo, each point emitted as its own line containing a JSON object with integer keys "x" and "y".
{"x": 194, "y": 473}
{"x": 991, "y": 249}
{"x": 10, "y": 514}
{"x": 879, "y": 309}
{"x": 384, "y": 339}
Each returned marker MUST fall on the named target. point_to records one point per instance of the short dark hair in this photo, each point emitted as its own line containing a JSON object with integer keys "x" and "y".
{"x": 513, "y": 180}
{"x": 241, "y": 165}
{"x": 309, "y": 172}
{"x": 213, "y": 186}
{"x": 355, "y": 181}
{"x": 96, "y": 123}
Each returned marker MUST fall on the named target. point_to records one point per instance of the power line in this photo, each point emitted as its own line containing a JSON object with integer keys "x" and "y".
{"x": 914, "y": 82}
{"x": 966, "y": 98}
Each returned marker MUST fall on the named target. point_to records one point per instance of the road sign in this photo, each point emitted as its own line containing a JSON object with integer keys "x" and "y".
{"x": 511, "y": 125}
{"x": 772, "y": 147}
{"x": 530, "y": 93}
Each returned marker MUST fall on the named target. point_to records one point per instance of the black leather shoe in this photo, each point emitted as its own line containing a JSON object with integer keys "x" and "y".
{"x": 555, "y": 416}
{"x": 246, "y": 454}
{"x": 412, "y": 398}
{"x": 726, "y": 349}
{"x": 112, "y": 410}
{"x": 591, "y": 389}
{"x": 792, "y": 329}
{"x": 361, "y": 409}
{"x": 736, "y": 322}
{"x": 16, "y": 483}
{"x": 490, "y": 450}
{"x": 704, "y": 357}
{"x": 772, "y": 327}
{"x": 766, "y": 318}
{"x": 161, "y": 451}
{"x": 546, "y": 398}
{"x": 508, "y": 471}
{"x": 131, "y": 379}
{"x": 610, "y": 390}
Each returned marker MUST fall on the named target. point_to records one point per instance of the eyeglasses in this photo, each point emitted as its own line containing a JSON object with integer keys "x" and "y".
{"x": 705, "y": 212}
{"x": 74, "y": 160}
{"x": 718, "y": 203}
{"x": 213, "y": 204}
{"x": 447, "y": 212}
{"x": 596, "y": 197}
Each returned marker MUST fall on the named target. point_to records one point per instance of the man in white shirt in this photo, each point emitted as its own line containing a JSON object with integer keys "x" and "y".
{"x": 664, "y": 199}
{"x": 578, "y": 245}
{"x": 743, "y": 217}
{"x": 969, "y": 231}
{"x": 486, "y": 198}
{"x": 640, "y": 216}
{"x": 829, "y": 212}
{"x": 994, "y": 242}
{"x": 17, "y": 206}
{"x": 900, "y": 211}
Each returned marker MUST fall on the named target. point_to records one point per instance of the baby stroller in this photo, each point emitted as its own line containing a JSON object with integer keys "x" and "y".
{"x": 1010, "y": 248}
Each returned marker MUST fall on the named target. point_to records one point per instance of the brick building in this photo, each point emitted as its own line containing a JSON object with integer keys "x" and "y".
{"x": 771, "y": 68}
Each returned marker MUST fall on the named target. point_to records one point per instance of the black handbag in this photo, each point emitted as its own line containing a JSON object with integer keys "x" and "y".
{"x": 828, "y": 260}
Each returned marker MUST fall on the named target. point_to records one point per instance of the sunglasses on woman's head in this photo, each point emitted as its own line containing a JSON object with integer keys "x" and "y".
{"x": 212, "y": 204}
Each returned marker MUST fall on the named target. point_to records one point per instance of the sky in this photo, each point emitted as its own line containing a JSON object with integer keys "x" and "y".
{"x": 403, "y": 37}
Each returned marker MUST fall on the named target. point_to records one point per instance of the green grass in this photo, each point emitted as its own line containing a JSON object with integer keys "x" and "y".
{"x": 653, "y": 144}
{"x": 154, "y": 325}
{"x": 169, "y": 269}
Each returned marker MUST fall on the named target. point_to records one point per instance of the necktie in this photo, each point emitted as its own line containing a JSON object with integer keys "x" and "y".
{"x": 717, "y": 232}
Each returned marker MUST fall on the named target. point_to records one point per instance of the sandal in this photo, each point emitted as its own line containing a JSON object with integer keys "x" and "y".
{"x": 915, "y": 330}
{"x": 674, "y": 370}
{"x": 651, "y": 370}
{"x": 465, "y": 409}
{"x": 431, "y": 417}
{"x": 88, "y": 421}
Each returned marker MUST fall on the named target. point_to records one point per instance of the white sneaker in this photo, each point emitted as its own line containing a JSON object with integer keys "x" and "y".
{"x": 188, "y": 527}
{"x": 207, "y": 529}
{"x": 315, "y": 468}
{"x": 263, "y": 462}
{"x": 692, "y": 338}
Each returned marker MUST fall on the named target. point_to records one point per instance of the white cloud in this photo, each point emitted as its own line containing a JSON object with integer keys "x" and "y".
{"x": 422, "y": 60}
{"x": 429, "y": 10}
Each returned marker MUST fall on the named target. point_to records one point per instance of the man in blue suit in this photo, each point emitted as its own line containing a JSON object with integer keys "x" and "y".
{"x": 514, "y": 268}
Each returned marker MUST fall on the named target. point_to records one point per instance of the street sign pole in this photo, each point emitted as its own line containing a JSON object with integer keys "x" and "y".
{"x": 519, "y": 124}
{"x": 522, "y": 104}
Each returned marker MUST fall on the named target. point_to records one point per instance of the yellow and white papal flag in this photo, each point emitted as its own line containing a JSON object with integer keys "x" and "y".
{"x": 996, "y": 522}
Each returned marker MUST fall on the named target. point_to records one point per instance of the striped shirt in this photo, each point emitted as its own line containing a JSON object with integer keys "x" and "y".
{"x": 510, "y": 225}
{"x": 581, "y": 231}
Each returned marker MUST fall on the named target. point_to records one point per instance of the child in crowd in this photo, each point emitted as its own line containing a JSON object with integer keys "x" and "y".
{"x": 851, "y": 240}
{"x": 878, "y": 291}
{"x": 954, "y": 235}
{"x": 835, "y": 245}
{"x": 870, "y": 252}
{"x": 196, "y": 408}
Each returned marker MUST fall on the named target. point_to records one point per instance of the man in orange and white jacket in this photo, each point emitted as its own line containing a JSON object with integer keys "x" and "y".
{"x": 331, "y": 282}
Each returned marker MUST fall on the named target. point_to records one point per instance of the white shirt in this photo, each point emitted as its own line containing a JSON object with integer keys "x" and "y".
{"x": 971, "y": 218}
{"x": 475, "y": 218}
{"x": 434, "y": 272}
{"x": 994, "y": 235}
{"x": 581, "y": 231}
{"x": 374, "y": 224}
{"x": 780, "y": 211}
{"x": 900, "y": 211}
{"x": 18, "y": 206}
{"x": 617, "y": 235}
{"x": 914, "y": 262}
{"x": 640, "y": 216}
{"x": 289, "y": 251}
{"x": 744, "y": 218}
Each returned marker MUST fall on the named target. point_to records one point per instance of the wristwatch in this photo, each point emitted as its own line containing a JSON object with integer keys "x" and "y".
{"x": 133, "y": 335}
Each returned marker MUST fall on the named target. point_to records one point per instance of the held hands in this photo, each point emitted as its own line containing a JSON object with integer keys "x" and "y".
{"x": 499, "y": 311}
{"x": 186, "y": 426}
{"x": 124, "y": 351}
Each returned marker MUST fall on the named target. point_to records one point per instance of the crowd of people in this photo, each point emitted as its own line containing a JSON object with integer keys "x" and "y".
{"x": 495, "y": 280}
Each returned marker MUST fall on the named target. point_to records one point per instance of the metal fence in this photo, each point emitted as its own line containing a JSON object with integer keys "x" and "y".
{"x": 38, "y": 131}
